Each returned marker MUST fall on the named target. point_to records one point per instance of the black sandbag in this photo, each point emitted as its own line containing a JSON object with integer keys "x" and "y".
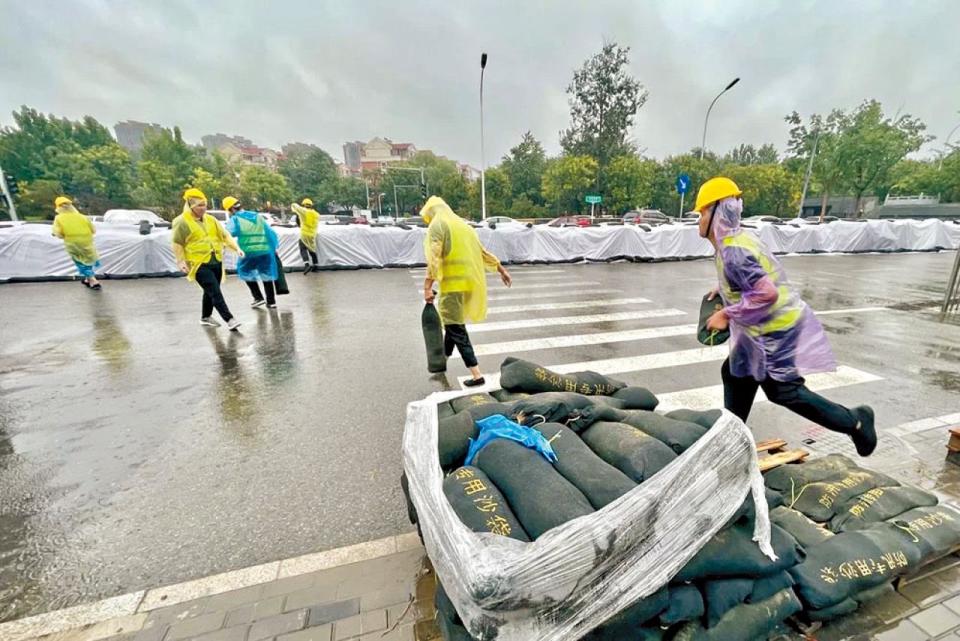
{"x": 599, "y": 481}
{"x": 722, "y": 595}
{"x": 558, "y": 407}
{"x": 462, "y": 403}
{"x": 746, "y": 513}
{"x": 806, "y": 532}
{"x": 821, "y": 500}
{"x": 637, "y": 398}
{"x": 504, "y": 396}
{"x": 518, "y": 375}
{"x": 709, "y": 307}
{"x": 433, "y": 339}
{"x": 879, "y": 504}
{"x": 636, "y": 454}
{"x": 746, "y": 622}
{"x": 591, "y": 414}
{"x": 766, "y": 586}
{"x": 480, "y": 504}
{"x": 280, "y": 285}
{"x": 480, "y": 412}
{"x": 843, "y": 608}
{"x": 797, "y": 475}
{"x": 444, "y": 410}
{"x": 733, "y": 553}
{"x": 626, "y": 623}
{"x": 678, "y": 435}
{"x": 705, "y": 418}
{"x": 849, "y": 563}
{"x": 537, "y": 493}
{"x": 686, "y": 604}
{"x": 453, "y": 438}
{"x": 932, "y": 531}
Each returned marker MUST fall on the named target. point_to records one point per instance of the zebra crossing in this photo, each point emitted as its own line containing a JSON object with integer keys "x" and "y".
{"x": 658, "y": 339}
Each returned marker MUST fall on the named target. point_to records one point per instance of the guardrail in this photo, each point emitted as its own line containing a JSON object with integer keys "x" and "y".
{"x": 951, "y": 299}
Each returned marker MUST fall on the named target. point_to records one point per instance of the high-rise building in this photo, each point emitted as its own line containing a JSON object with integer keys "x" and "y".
{"x": 352, "y": 151}
{"x": 213, "y": 142}
{"x": 130, "y": 133}
{"x": 376, "y": 153}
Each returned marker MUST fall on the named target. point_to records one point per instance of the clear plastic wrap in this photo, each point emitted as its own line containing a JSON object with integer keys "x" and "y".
{"x": 578, "y": 575}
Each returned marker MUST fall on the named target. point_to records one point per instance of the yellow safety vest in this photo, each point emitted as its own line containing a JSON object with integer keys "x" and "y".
{"x": 463, "y": 282}
{"x": 785, "y": 312}
{"x": 202, "y": 242}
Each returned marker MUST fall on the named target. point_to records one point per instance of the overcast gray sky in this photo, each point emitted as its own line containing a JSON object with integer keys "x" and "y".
{"x": 327, "y": 72}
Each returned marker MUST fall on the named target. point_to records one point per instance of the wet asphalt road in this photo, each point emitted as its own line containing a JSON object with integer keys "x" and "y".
{"x": 139, "y": 449}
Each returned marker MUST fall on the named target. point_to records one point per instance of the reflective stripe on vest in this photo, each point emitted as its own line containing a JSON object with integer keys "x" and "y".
{"x": 783, "y": 315}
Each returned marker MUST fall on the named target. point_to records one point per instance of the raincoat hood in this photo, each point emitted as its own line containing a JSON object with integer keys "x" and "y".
{"x": 435, "y": 206}
{"x": 726, "y": 218}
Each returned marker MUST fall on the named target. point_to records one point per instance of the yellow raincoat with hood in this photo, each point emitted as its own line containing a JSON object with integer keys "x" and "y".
{"x": 309, "y": 221}
{"x": 77, "y": 232}
{"x": 456, "y": 261}
{"x": 195, "y": 241}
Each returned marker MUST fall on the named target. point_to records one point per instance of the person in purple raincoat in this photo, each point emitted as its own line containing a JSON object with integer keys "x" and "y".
{"x": 775, "y": 338}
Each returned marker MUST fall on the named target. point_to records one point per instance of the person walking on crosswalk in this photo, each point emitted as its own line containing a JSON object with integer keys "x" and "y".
{"x": 775, "y": 337}
{"x": 456, "y": 261}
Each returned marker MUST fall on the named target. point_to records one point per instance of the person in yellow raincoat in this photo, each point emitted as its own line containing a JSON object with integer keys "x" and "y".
{"x": 77, "y": 232}
{"x": 198, "y": 241}
{"x": 307, "y": 219}
{"x": 457, "y": 262}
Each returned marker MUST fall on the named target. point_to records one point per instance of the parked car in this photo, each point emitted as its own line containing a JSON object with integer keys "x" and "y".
{"x": 219, "y": 214}
{"x": 764, "y": 220}
{"x": 606, "y": 222}
{"x": 691, "y": 217}
{"x": 646, "y": 216}
{"x": 133, "y": 217}
{"x": 385, "y": 220}
{"x": 502, "y": 221}
{"x": 328, "y": 219}
{"x": 570, "y": 221}
{"x": 412, "y": 221}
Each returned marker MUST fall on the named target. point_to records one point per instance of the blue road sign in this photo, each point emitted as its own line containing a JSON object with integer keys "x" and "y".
{"x": 683, "y": 184}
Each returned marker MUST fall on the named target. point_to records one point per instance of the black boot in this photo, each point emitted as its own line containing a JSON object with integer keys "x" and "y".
{"x": 864, "y": 434}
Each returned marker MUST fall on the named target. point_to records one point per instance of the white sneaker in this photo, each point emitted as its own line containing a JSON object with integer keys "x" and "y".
{"x": 233, "y": 324}
{"x": 209, "y": 322}
{"x": 272, "y": 305}
{"x": 258, "y": 303}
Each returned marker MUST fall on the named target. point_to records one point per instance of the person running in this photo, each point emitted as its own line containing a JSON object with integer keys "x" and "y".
{"x": 198, "y": 241}
{"x": 77, "y": 232}
{"x": 307, "y": 220}
{"x": 259, "y": 244}
{"x": 775, "y": 337}
{"x": 456, "y": 261}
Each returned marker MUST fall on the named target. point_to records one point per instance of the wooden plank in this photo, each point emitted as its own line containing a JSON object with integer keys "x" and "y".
{"x": 782, "y": 458}
{"x": 771, "y": 445}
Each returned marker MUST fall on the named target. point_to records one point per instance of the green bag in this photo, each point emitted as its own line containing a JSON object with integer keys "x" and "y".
{"x": 707, "y": 309}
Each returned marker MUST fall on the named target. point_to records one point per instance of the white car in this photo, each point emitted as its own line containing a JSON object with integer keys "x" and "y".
{"x": 502, "y": 221}
{"x": 132, "y": 217}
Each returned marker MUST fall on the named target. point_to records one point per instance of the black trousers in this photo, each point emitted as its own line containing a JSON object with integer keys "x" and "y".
{"x": 456, "y": 335}
{"x": 308, "y": 255}
{"x": 208, "y": 277}
{"x": 738, "y": 395}
{"x": 254, "y": 288}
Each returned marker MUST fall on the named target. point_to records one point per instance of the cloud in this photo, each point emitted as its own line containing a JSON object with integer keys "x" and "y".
{"x": 328, "y": 72}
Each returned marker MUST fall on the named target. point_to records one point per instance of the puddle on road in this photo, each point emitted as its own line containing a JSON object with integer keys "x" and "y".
{"x": 944, "y": 379}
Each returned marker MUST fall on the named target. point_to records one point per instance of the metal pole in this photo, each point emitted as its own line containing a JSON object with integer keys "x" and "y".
{"x": 6, "y": 192}
{"x": 703, "y": 141}
{"x": 367, "y": 187}
{"x": 806, "y": 178}
{"x": 682, "y": 194}
{"x": 952, "y": 293}
{"x": 483, "y": 158}
{"x": 396, "y": 208}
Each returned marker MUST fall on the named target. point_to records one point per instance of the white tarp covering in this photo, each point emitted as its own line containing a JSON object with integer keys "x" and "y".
{"x": 29, "y": 251}
{"x": 579, "y": 574}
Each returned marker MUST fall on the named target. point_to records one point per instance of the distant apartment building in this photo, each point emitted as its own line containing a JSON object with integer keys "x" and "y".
{"x": 213, "y": 142}
{"x": 358, "y": 156}
{"x": 130, "y": 133}
{"x": 469, "y": 173}
{"x": 240, "y": 150}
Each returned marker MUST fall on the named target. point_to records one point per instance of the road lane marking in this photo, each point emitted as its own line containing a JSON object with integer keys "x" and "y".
{"x": 577, "y": 304}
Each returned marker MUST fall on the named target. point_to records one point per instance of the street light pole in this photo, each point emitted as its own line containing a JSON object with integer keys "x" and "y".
{"x": 703, "y": 141}
{"x": 806, "y": 178}
{"x": 396, "y": 208}
{"x": 483, "y": 159}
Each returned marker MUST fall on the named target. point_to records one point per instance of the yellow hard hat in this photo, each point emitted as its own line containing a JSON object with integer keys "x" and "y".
{"x": 716, "y": 189}
{"x": 193, "y": 192}
{"x": 229, "y": 202}
{"x": 62, "y": 200}
{"x": 306, "y": 202}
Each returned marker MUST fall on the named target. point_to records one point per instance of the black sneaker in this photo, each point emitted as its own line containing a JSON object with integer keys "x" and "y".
{"x": 864, "y": 434}
{"x": 474, "y": 382}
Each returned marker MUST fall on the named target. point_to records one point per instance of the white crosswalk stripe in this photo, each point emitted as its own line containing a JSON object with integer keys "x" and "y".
{"x": 570, "y": 283}
{"x": 578, "y": 304}
{"x": 577, "y": 340}
{"x": 527, "y": 323}
{"x": 703, "y": 398}
{"x": 562, "y": 294}
{"x": 515, "y": 273}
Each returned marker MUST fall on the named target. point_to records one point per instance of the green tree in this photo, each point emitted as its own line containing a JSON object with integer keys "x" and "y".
{"x": 604, "y": 98}
{"x": 524, "y": 166}
{"x": 750, "y": 155}
{"x": 629, "y": 183}
{"x": 442, "y": 176}
{"x": 912, "y": 177}
{"x": 262, "y": 188}
{"x": 567, "y": 180}
{"x": 36, "y": 199}
{"x": 166, "y": 166}
{"x": 498, "y": 193}
{"x": 871, "y": 144}
{"x": 307, "y": 169}
{"x": 523, "y": 207}
{"x": 343, "y": 192}
{"x": 767, "y": 189}
{"x": 665, "y": 196}
{"x": 823, "y": 135}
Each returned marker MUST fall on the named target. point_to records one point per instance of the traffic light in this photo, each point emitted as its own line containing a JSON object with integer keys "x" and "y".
{"x": 12, "y": 185}
{"x": 423, "y": 190}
